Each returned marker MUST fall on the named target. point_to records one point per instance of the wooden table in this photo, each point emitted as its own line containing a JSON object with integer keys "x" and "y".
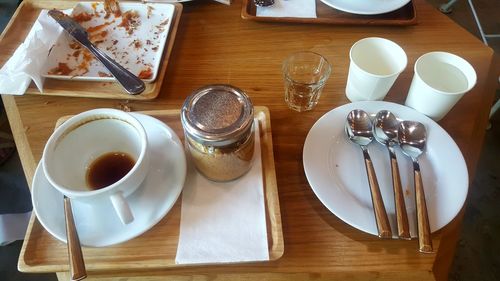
{"x": 214, "y": 45}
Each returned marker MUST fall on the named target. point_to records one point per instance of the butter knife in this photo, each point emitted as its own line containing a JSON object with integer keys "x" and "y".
{"x": 131, "y": 83}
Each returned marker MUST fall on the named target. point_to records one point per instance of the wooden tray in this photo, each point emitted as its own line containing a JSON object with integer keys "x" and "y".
{"x": 406, "y": 15}
{"x": 21, "y": 23}
{"x": 158, "y": 246}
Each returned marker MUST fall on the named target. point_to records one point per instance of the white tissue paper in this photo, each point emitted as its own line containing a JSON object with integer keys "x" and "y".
{"x": 27, "y": 62}
{"x": 289, "y": 8}
{"x": 224, "y": 222}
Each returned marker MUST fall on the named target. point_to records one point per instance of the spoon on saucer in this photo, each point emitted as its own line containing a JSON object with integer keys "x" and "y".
{"x": 385, "y": 130}
{"x": 76, "y": 262}
{"x": 412, "y": 139}
{"x": 359, "y": 129}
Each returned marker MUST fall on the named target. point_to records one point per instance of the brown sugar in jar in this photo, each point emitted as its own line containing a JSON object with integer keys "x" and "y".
{"x": 218, "y": 126}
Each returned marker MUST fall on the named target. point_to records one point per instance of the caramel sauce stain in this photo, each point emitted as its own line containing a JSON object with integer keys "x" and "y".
{"x": 146, "y": 73}
{"x": 82, "y": 17}
{"x": 61, "y": 69}
{"x": 98, "y": 27}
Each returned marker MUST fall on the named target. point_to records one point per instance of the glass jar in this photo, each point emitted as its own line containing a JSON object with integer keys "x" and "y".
{"x": 218, "y": 129}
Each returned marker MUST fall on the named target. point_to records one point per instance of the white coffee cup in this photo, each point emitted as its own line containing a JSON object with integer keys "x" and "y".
{"x": 440, "y": 80}
{"x": 375, "y": 65}
{"x": 75, "y": 145}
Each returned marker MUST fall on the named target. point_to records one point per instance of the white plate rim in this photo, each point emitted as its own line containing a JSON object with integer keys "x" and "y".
{"x": 365, "y": 8}
{"x": 323, "y": 192}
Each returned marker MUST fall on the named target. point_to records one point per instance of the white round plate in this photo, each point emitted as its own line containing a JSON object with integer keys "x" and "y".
{"x": 366, "y": 7}
{"x": 334, "y": 167}
{"x": 97, "y": 224}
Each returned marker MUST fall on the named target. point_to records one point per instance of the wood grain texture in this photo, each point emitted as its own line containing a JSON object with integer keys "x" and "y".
{"x": 424, "y": 229}
{"x": 214, "y": 45}
{"x": 48, "y": 257}
{"x": 381, "y": 218}
{"x": 406, "y": 15}
{"x": 399, "y": 200}
{"x": 21, "y": 23}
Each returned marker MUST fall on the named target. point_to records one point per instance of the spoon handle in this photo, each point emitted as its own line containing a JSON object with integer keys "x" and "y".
{"x": 383, "y": 226}
{"x": 77, "y": 265}
{"x": 399, "y": 200}
{"x": 424, "y": 231}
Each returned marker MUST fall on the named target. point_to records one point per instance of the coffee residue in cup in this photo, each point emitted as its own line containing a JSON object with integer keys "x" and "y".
{"x": 108, "y": 169}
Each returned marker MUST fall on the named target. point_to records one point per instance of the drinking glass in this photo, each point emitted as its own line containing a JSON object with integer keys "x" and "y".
{"x": 305, "y": 74}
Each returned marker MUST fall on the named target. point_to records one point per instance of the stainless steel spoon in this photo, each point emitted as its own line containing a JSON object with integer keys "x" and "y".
{"x": 412, "y": 139}
{"x": 76, "y": 262}
{"x": 359, "y": 129}
{"x": 385, "y": 130}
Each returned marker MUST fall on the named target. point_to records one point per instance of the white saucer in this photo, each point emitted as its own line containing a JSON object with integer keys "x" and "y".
{"x": 335, "y": 170}
{"x": 98, "y": 225}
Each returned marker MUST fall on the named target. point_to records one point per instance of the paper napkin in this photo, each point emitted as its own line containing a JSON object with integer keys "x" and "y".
{"x": 224, "y": 222}
{"x": 289, "y": 8}
{"x": 28, "y": 60}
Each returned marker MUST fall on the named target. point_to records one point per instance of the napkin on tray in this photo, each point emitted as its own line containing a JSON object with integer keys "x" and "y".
{"x": 289, "y": 8}
{"x": 224, "y": 222}
{"x": 28, "y": 60}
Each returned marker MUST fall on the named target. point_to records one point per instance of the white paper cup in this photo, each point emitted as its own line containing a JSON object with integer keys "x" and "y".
{"x": 78, "y": 142}
{"x": 375, "y": 65}
{"x": 440, "y": 80}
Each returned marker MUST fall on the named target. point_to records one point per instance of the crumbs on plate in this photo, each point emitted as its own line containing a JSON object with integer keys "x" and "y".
{"x": 114, "y": 31}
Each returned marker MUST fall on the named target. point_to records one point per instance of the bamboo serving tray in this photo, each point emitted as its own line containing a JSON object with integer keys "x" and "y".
{"x": 20, "y": 25}
{"x": 406, "y": 15}
{"x": 156, "y": 248}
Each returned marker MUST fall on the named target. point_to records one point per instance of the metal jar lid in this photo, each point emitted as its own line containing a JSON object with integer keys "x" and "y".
{"x": 217, "y": 115}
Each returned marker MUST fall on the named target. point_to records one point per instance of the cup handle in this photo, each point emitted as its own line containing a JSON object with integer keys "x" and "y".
{"x": 122, "y": 208}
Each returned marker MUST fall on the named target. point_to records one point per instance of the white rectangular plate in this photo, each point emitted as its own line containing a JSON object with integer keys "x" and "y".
{"x": 136, "y": 44}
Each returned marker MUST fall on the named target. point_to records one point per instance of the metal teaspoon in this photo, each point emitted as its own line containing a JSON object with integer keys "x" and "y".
{"x": 412, "y": 139}
{"x": 76, "y": 262}
{"x": 385, "y": 130}
{"x": 359, "y": 129}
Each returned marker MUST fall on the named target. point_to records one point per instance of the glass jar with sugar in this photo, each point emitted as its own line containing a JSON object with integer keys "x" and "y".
{"x": 218, "y": 126}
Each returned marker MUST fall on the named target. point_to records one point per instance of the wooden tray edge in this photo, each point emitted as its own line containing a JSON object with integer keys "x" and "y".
{"x": 271, "y": 187}
{"x": 273, "y": 213}
{"x": 152, "y": 89}
{"x": 246, "y": 5}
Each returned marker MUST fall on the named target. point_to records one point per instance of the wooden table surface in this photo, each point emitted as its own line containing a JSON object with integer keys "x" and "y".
{"x": 214, "y": 45}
